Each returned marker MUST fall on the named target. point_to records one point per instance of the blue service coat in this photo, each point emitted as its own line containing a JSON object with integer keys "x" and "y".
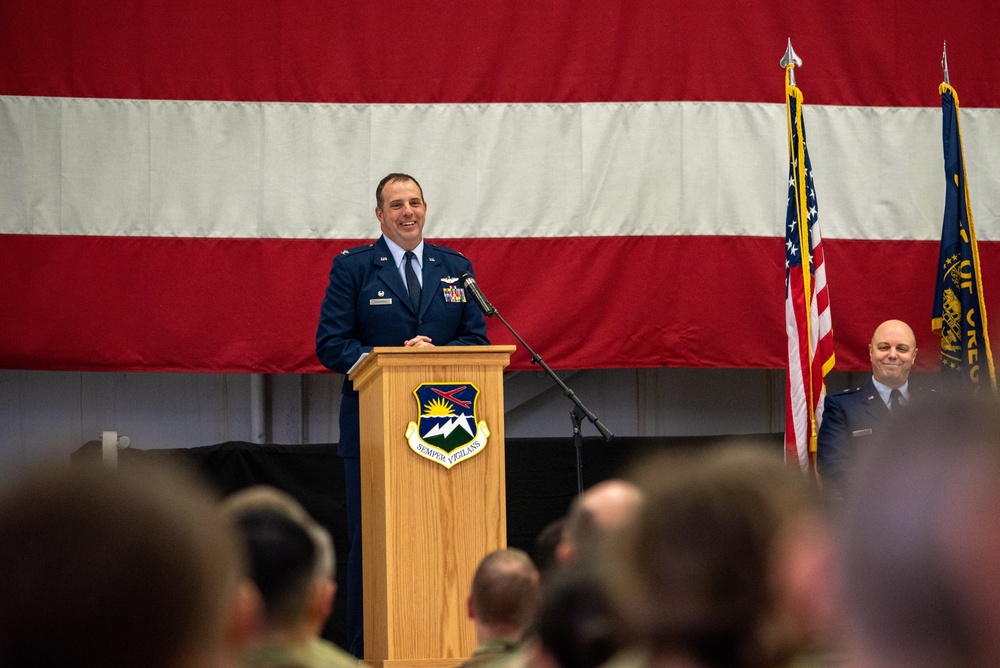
{"x": 367, "y": 305}
{"x": 851, "y": 421}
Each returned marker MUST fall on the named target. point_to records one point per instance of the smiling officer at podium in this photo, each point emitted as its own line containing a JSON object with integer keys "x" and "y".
{"x": 398, "y": 291}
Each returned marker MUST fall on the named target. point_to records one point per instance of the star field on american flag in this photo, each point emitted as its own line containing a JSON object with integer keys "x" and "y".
{"x": 793, "y": 254}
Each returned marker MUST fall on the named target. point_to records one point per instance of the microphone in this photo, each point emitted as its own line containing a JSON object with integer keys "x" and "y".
{"x": 469, "y": 283}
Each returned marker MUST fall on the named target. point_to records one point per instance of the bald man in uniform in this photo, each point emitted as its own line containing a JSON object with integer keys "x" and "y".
{"x": 853, "y": 417}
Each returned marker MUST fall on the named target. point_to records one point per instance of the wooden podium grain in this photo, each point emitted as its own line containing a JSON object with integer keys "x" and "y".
{"x": 425, "y": 527}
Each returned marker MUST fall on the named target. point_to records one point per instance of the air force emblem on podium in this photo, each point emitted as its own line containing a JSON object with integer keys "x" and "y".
{"x": 447, "y": 429}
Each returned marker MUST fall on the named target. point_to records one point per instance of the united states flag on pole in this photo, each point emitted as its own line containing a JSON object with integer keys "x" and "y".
{"x": 807, "y": 299}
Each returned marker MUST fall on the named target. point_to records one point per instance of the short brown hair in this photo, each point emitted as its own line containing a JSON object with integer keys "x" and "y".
{"x": 505, "y": 588}
{"x": 389, "y": 178}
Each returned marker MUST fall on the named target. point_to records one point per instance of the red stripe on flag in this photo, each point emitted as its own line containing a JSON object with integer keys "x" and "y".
{"x": 213, "y": 305}
{"x": 480, "y": 51}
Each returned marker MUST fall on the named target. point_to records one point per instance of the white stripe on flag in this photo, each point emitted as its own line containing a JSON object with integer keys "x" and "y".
{"x": 275, "y": 170}
{"x": 798, "y": 401}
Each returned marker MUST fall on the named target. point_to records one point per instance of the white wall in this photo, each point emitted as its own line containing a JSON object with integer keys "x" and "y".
{"x": 51, "y": 414}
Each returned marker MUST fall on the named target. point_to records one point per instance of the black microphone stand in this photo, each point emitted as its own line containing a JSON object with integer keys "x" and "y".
{"x": 579, "y": 410}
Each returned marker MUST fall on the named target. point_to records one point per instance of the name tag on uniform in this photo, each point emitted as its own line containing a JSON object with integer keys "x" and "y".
{"x": 861, "y": 432}
{"x": 453, "y": 294}
{"x": 380, "y": 302}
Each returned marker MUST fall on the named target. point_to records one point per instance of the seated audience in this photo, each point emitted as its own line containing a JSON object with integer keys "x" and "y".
{"x": 501, "y": 603}
{"x": 601, "y": 510}
{"x": 921, "y": 543}
{"x": 710, "y": 573}
{"x": 119, "y": 568}
{"x": 575, "y": 626}
{"x": 546, "y": 543}
{"x": 292, "y": 565}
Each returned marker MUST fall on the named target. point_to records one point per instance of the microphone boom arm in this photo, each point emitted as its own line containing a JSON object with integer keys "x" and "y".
{"x": 579, "y": 411}
{"x": 536, "y": 359}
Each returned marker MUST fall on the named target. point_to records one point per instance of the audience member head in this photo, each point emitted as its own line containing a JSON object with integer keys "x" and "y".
{"x": 266, "y": 497}
{"x": 892, "y": 351}
{"x": 921, "y": 543}
{"x": 118, "y": 568}
{"x": 291, "y": 560}
{"x": 601, "y": 511}
{"x": 695, "y": 577}
{"x": 546, "y": 544}
{"x": 577, "y": 625}
{"x": 504, "y": 594}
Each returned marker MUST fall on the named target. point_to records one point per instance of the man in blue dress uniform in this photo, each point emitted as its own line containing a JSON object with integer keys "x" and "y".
{"x": 852, "y": 419}
{"x": 398, "y": 291}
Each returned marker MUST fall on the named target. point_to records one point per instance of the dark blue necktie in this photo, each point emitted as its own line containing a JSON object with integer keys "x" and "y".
{"x": 412, "y": 282}
{"x": 895, "y": 400}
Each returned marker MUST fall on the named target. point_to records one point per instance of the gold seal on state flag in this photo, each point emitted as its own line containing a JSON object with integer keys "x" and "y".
{"x": 447, "y": 430}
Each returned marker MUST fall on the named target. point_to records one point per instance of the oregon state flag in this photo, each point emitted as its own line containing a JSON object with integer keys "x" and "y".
{"x": 959, "y": 308}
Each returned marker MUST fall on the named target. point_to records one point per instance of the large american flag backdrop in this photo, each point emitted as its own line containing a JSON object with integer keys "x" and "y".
{"x": 176, "y": 176}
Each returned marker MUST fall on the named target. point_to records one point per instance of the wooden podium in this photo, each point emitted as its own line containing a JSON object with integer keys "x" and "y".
{"x": 426, "y": 526}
